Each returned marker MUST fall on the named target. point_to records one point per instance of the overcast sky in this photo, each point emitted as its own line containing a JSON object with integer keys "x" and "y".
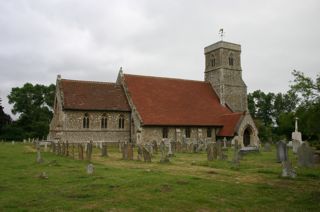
{"x": 91, "y": 40}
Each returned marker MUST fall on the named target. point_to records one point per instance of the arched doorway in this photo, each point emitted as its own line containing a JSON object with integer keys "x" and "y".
{"x": 246, "y": 136}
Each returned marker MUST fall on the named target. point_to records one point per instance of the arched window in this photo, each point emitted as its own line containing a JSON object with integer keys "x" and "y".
{"x": 104, "y": 121}
{"x": 86, "y": 120}
{"x": 188, "y": 132}
{"x": 209, "y": 132}
{"x": 231, "y": 59}
{"x": 165, "y": 132}
{"x": 121, "y": 122}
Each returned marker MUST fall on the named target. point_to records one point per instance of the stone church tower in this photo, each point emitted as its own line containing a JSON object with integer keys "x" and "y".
{"x": 223, "y": 71}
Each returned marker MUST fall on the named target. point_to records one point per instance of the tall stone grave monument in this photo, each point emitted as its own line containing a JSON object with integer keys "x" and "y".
{"x": 296, "y": 138}
{"x": 282, "y": 153}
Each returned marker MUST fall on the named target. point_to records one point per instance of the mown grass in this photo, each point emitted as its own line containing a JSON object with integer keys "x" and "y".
{"x": 188, "y": 183}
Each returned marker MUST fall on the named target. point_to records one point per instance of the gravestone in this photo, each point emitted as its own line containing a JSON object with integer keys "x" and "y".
{"x": 80, "y": 151}
{"x": 130, "y": 151}
{"x": 104, "y": 150}
{"x": 225, "y": 142}
{"x": 155, "y": 147}
{"x": 178, "y": 147}
{"x": 39, "y": 158}
{"x": 210, "y": 150}
{"x": 282, "y": 152}
{"x": 140, "y": 153}
{"x": 72, "y": 150}
{"x": 287, "y": 170}
{"x": 173, "y": 147}
{"x": 53, "y": 144}
{"x": 45, "y": 146}
{"x": 12, "y": 142}
{"x": 120, "y": 146}
{"x": 305, "y": 156}
{"x": 90, "y": 169}
{"x": 295, "y": 146}
{"x": 146, "y": 155}
{"x": 89, "y": 151}
{"x": 296, "y": 138}
{"x": 267, "y": 147}
{"x": 59, "y": 148}
{"x": 164, "y": 155}
{"x": 125, "y": 151}
{"x": 170, "y": 153}
{"x": 219, "y": 150}
{"x": 67, "y": 148}
{"x": 236, "y": 156}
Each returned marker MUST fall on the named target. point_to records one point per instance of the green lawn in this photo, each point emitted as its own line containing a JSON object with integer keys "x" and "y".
{"x": 188, "y": 183}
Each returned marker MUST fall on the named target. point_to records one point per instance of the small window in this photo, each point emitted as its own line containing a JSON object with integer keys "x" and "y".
{"x": 209, "y": 132}
{"x": 104, "y": 121}
{"x": 121, "y": 122}
{"x": 188, "y": 132}
{"x": 86, "y": 120}
{"x": 231, "y": 59}
{"x": 165, "y": 132}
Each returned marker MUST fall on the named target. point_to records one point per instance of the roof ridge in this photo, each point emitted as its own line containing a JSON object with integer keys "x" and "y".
{"x": 168, "y": 78}
{"x": 88, "y": 81}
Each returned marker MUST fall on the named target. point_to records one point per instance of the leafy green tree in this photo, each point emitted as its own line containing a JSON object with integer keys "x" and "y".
{"x": 33, "y": 104}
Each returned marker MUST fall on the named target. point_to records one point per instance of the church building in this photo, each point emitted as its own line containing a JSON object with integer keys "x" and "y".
{"x": 143, "y": 109}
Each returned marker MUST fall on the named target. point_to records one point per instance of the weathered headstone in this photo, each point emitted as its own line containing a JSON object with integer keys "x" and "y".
{"x": 219, "y": 150}
{"x": 267, "y": 147}
{"x": 89, "y": 151}
{"x": 170, "y": 153}
{"x": 39, "y": 158}
{"x": 53, "y": 145}
{"x": 130, "y": 151}
{"x": 59, "y": 148}
{"x": 124, "y": 151}
{"x": 63, "y": 149}
{"x": 80, "y": 151}
{"x": 295, "y": 146}
{"x": 236, "y": 156}
{"x": 140, "y": 153}
{"x": 282, "y": 153}
{"x": 12, "y": 142}
{"x": 305, "y": 155}
{"x": 67, "y": 149}
{"x": 155, "y": 147}
{"x": 210, "y": 150}
{"x": 225, "y": 142}
{"x": 287, "y": 170}
{"x": 164, "y": 155}
{"x": 146, "y": 155}
{"x": 90, "y": 169}
{"x": 72, "y": 151}
{"x": 104, "y": 150}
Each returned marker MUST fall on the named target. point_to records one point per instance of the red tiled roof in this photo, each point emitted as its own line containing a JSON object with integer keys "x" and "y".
{"x": 176, "y": 102}
{"x": 230, "y": 122}
{"x": 89, "y": 95}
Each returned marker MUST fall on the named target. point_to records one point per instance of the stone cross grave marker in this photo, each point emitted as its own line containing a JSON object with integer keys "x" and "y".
{"x": 282, "y": 152}
{"x": 305, "y": 155}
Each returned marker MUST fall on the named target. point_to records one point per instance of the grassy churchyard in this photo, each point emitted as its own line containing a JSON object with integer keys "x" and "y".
{"x": 188, "y": 183}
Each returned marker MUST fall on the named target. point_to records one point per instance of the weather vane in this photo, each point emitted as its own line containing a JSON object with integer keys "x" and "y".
{"x": 221, "y": 33}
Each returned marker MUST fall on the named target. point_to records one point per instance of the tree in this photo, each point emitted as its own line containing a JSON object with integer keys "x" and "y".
{"x": 34, "y": 105}
{"x": 5, "y": 119}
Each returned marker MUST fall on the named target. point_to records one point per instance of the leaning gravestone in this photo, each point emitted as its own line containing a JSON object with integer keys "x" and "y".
{"x": 267, "y": 147}
{"x": 282, "y": 152}
{"x": 287, "y": 170}
{"x": 305, "y": 155}
{"x": 146, "y": 155}
{"x": 90, "y": 169}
